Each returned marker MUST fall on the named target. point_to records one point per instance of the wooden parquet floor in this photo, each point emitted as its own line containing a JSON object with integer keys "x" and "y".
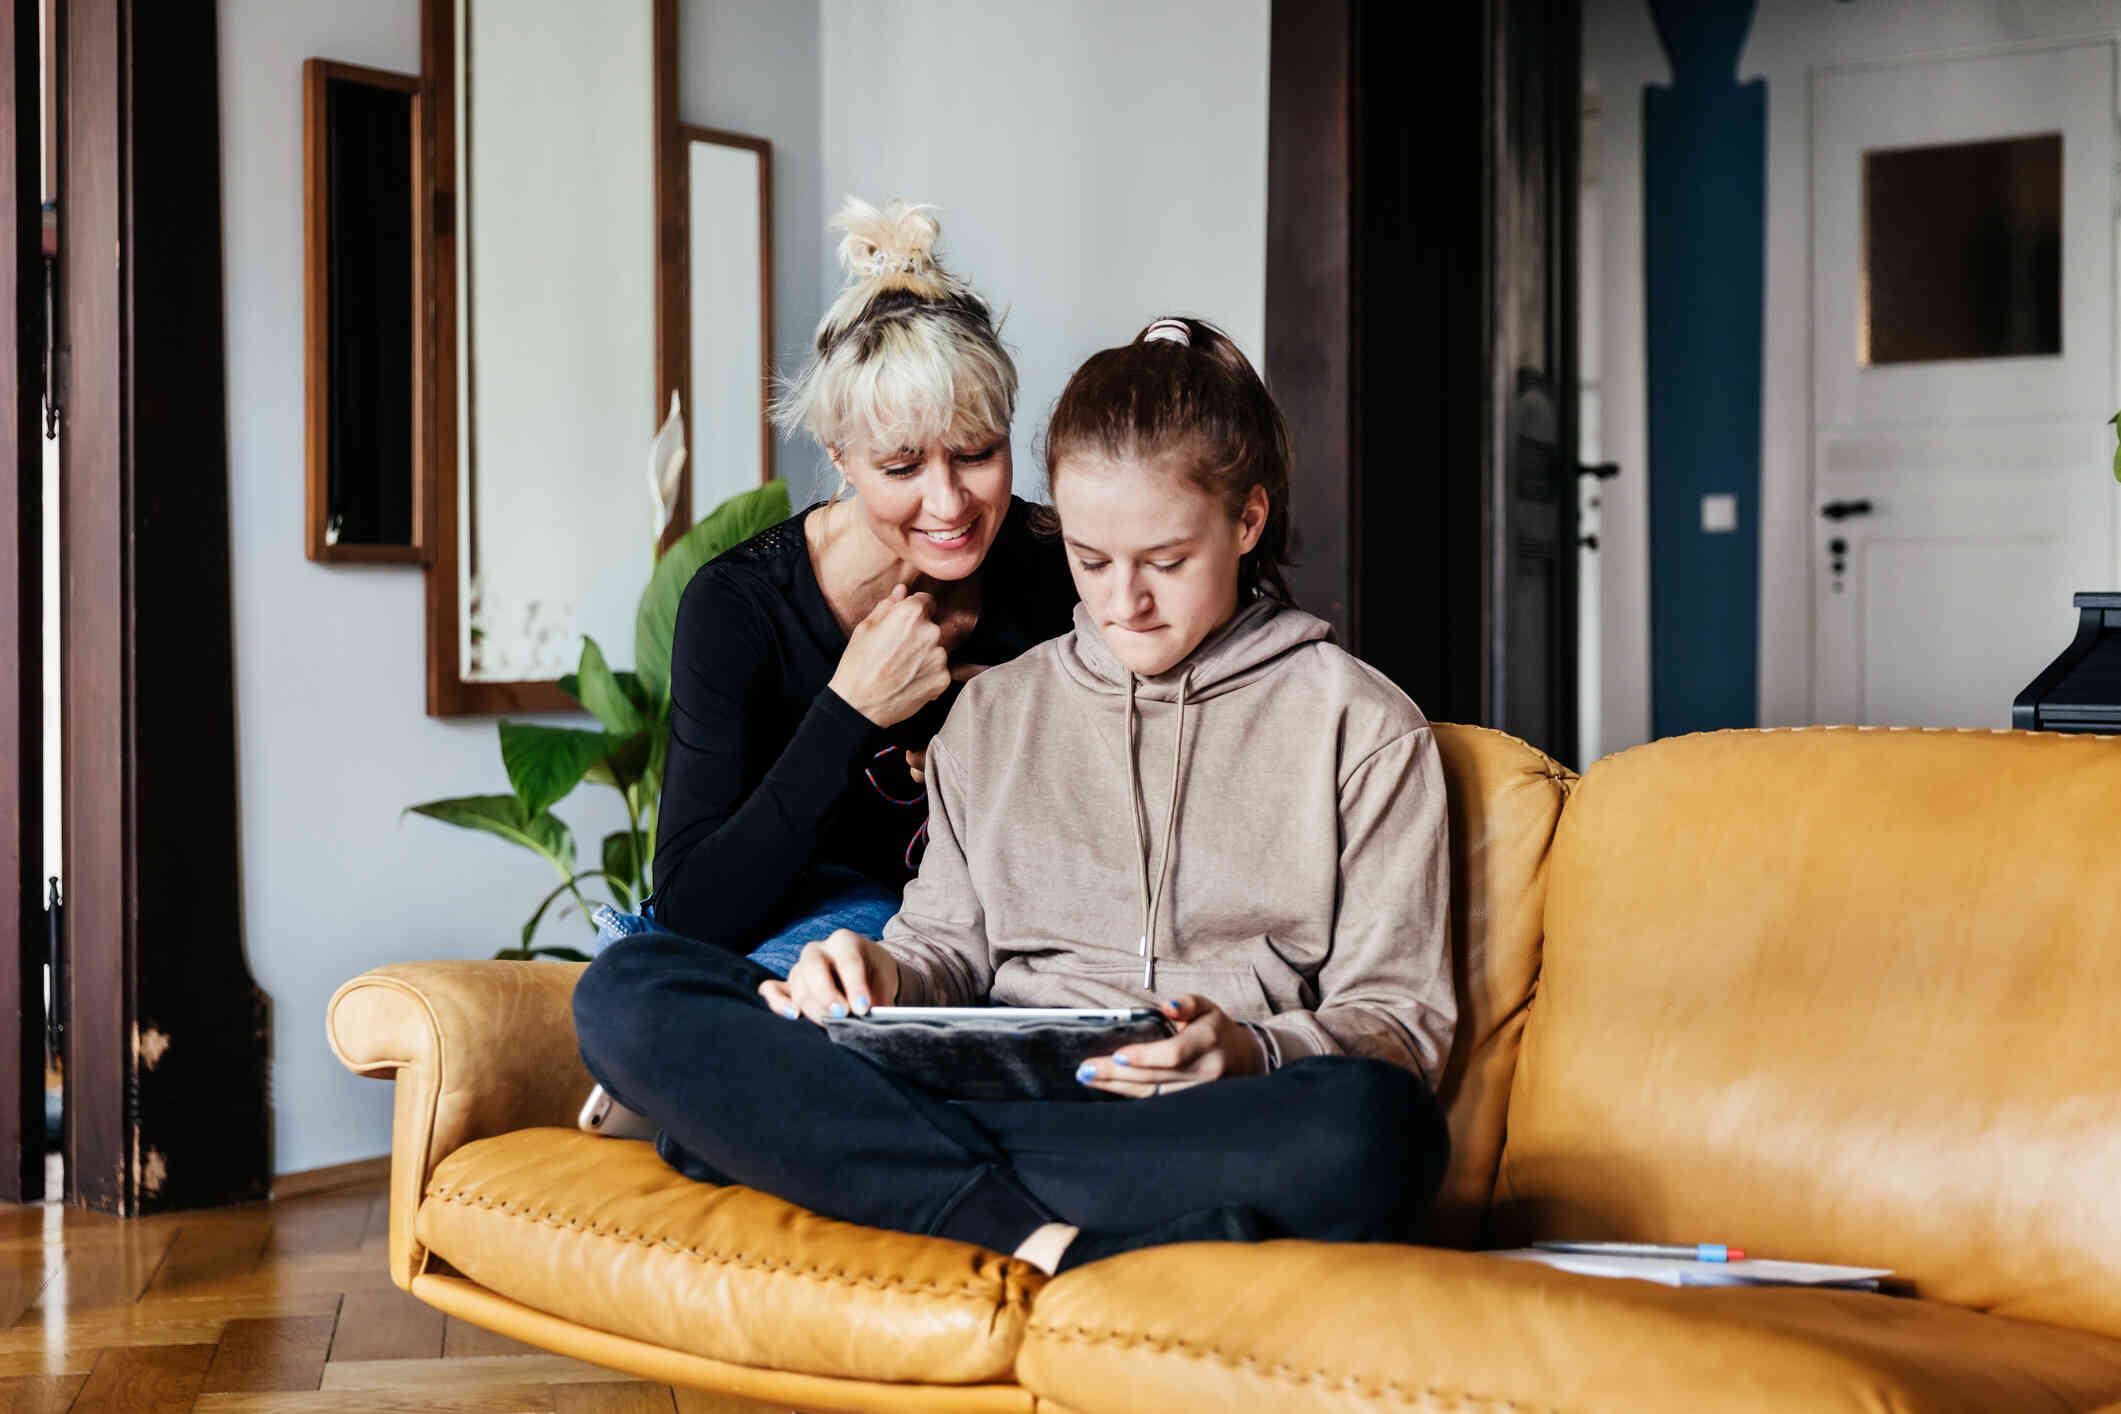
{"x": 274, "y": 1307}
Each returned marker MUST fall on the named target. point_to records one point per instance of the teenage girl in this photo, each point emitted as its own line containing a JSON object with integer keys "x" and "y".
{"x": 1195, "y": 801}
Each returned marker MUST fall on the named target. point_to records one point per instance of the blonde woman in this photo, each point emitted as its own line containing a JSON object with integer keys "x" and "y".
{"x": 812, "y": 664}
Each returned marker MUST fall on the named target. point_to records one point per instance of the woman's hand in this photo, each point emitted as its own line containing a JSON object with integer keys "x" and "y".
{"x": 894, "y": 663}
{"x": 837, "y": 975}
{"x": 1208, "y": 1046}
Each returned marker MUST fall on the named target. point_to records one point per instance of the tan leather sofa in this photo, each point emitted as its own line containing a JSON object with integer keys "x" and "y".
{"x": 1833, "y": 995}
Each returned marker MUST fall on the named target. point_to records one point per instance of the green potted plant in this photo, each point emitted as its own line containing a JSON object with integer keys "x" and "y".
{"x": 626, "y": 752}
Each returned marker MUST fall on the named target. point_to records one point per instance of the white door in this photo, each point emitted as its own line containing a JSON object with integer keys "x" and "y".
{"x": 1958, "y": 501}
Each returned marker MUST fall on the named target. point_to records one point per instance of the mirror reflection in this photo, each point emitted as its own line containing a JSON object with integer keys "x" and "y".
{"x": 728, "y": 203}
{"x": 556, "y": 366}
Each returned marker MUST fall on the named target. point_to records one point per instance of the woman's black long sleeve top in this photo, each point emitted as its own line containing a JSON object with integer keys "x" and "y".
{"x": 765, "y": 773}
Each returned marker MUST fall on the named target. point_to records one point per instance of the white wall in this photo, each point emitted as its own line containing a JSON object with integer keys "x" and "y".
{"x": 1621, "y": 56}
{"x": 1790, "y": 39}
{"x": 1097, "y": 163}
{"x": 330, "y": 674}
{"x": 752, "y": 67}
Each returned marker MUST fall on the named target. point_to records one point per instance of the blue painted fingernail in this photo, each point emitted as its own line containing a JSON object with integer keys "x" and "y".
{"x": 1119, "y": 1060}
{"x": 839, "y": 1009}
{"x": 1172, "y": 1003}
{"x": 1086, "y": 1072}
{"x": 861, "y": 1004}
{"x": 792, "y": 1013}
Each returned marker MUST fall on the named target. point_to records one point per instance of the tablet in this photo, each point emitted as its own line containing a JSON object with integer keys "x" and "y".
{"x": 1010, "y": 1015}
{"x": 996, "y": 1052}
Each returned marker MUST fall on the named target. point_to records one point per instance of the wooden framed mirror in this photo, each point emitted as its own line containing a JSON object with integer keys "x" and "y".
{"x": 366, "y": 497}
{"x": 557, "y": 259}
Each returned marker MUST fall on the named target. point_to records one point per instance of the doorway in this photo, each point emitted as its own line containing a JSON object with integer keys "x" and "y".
{"x": 1963, "y": 370}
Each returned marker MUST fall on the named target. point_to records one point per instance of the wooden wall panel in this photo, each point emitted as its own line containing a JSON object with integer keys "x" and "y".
{"x": 99, "y": 836}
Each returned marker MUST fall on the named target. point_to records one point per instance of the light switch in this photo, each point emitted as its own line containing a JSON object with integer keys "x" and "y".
{"x": 1719, "y": 514}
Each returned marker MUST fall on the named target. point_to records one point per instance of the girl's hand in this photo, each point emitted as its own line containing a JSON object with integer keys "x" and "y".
{"x": 835, "y": 976}
{"x": 1208, "y": 1046}
{"x": 894, "y": 663}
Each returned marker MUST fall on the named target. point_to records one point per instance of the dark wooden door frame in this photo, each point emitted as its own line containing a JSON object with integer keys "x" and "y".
{"x": 1376, "y": 340}
{"x": 1393, "y": 141}
{"x": 167, "y": 1041}
{"x": 1311, "y": 308}
{"x": 21, "y": 614}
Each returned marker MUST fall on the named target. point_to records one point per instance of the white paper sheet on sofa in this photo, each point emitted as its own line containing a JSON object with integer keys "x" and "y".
{"x": 1672, "y": 1271}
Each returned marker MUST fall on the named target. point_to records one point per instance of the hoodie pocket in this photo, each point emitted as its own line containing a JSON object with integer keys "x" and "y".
{"x": 1282, "y": 985}
{"x": 1248, "y": 978}
{"x": 1228, "y": 981}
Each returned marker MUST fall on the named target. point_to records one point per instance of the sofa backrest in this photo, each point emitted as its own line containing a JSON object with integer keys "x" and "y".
{"x": 1841, "y": 995}
{"x": 1504, "y": 800}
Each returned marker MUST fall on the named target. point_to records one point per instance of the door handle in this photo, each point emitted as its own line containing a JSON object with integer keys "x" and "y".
{"x": 1603, "y": 471}
{"x": 1838, "y": 511}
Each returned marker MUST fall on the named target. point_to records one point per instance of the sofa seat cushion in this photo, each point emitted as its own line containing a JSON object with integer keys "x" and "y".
{"x": 1301, "y": 1326}
{"x": 601, "y": 1232}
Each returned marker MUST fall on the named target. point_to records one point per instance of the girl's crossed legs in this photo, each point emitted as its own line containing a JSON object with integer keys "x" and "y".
{"x": 1330, "y": 1148}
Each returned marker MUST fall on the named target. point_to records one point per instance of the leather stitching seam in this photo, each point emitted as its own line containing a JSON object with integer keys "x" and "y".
{"x": 831, "y": 1275}
{"x": 1290, "y": 1374}
{"x": 1555, "y": 771}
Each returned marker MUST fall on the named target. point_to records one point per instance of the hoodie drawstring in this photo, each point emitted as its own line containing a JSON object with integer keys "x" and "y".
{"x": 1152, "y": 898}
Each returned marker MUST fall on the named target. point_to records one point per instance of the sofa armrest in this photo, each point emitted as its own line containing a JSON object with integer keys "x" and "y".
{"x": 477, "y": 1049}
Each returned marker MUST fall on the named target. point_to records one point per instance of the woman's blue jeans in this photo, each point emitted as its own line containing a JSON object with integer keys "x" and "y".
{"x": 829, "y": 897}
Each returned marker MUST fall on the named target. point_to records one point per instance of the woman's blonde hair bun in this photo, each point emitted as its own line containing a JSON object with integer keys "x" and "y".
{"x": 908, "y": 351}
{"x": 883, "y": 249}
{"x": 895, "y": 244}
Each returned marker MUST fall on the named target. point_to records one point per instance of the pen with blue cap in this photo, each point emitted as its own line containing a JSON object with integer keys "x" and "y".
{"x": 1691, "y": 1252}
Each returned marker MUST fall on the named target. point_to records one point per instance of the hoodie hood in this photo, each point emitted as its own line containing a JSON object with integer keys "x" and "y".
{"x": 1248, "y": 646}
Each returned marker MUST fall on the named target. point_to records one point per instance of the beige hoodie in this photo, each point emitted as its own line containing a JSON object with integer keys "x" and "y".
{"x": 1262, "y": 824}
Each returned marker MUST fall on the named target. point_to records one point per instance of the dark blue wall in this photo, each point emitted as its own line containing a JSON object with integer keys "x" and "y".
{"x": 1704, "y": 150}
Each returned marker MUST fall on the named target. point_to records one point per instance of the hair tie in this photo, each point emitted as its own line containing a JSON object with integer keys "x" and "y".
{"x": 886, "y": 263}
{"x": 1172, "y": 331}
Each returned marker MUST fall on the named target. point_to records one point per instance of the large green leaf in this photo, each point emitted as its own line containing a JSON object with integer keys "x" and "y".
{"x": 604, "y": 696}
{"x": 649, "y": 799}
{"x": 658, "y": 758}
{"x": 623, "y": 764}
{"x": 503, "y": 815}
{"x": 729, "y": 525}
{"x": 545, "y": 763}
{"x": 621, "y": 869}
